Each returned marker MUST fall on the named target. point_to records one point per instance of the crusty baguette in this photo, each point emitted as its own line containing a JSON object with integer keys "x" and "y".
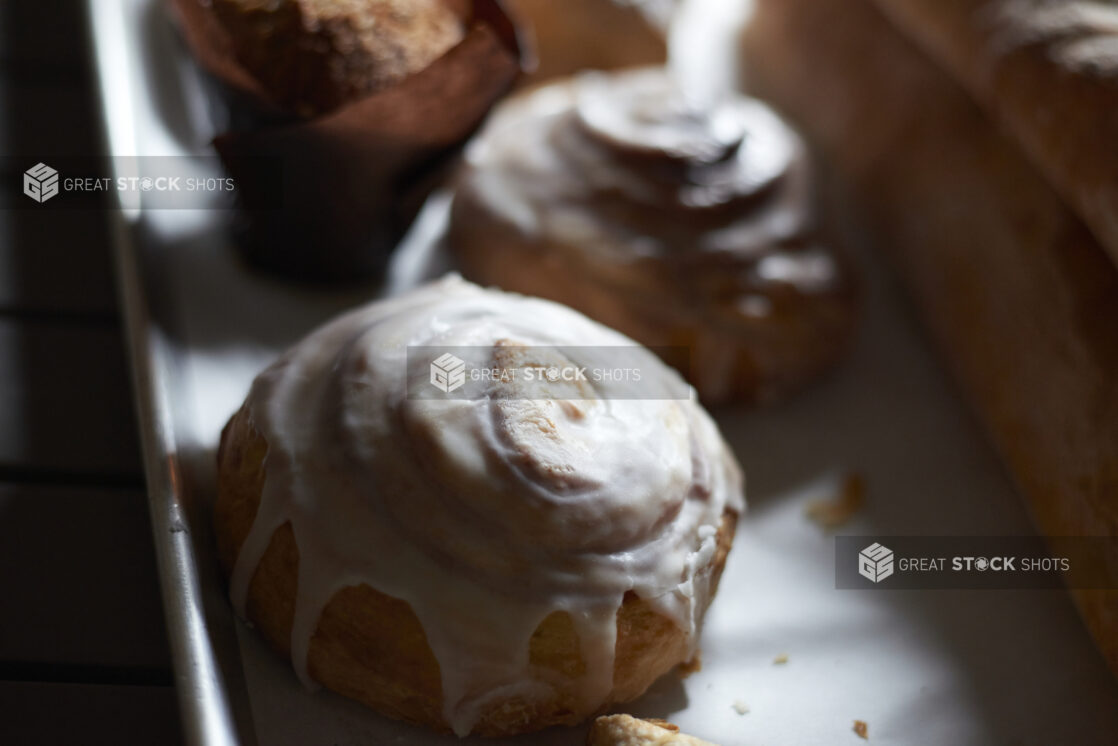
{"x": 1048, "y": 71}
{"x": 1012, "y": 285}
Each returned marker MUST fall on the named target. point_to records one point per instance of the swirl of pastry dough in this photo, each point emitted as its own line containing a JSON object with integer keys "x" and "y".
{"x": 488, "y": 513}
{"x": 677, "y": 222}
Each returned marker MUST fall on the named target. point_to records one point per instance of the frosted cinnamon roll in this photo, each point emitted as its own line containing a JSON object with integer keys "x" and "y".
{"x": 490, "y": 563}
{"x": 677, "y": 223}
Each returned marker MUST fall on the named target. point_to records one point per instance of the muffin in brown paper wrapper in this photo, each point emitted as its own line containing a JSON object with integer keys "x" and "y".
{"x": 328, "y": 197}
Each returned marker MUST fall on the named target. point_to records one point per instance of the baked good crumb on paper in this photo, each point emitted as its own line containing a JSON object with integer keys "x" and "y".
{"x": 626, "y": 730}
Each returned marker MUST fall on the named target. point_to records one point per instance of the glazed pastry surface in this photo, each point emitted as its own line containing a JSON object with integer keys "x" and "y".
{"x": 676, "y": 221}
{"x": 486, "y": 515}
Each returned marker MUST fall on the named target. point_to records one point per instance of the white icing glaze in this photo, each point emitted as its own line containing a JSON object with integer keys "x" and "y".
{"x": 485, "y": 515}
{"x": 630, "y": 164}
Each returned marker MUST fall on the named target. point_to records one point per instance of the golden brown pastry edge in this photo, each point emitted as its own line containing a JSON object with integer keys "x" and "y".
{"x": 371, "y": 647}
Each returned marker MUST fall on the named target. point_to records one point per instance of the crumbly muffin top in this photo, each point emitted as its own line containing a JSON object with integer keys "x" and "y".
{"x": 315, "y": 55}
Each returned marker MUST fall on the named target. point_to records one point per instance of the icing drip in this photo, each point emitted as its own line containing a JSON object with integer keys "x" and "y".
{"x": 485, "y": 515}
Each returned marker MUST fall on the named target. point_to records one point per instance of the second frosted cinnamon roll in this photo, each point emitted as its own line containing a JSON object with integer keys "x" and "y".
{"x": 678, "y": 223}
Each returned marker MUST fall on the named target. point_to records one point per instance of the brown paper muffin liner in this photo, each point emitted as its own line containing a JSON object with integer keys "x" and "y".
{"x": 329, "y": 197}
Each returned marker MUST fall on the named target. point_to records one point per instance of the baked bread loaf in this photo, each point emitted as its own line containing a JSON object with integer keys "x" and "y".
{"x": 574, "y": 35}
{"x": 312, "y": 56}
{"x": 1017, "y": 292}
{"x": 483, "y": 562}
{"x": 1047, "y": 71}
{"x": 680, "y": 224}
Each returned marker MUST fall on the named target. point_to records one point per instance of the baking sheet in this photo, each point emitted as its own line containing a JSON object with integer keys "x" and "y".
{"x": 958, "y": 667}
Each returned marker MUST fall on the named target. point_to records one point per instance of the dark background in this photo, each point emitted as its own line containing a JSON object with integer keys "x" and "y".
{"x": 83, "y": 652}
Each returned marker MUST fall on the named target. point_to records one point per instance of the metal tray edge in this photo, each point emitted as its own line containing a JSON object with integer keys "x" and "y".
{"x": 207, "y": 717}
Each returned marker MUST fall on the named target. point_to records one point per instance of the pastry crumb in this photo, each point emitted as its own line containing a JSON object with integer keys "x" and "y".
{"x": 862, "y": 730}
{"x": 781, "y": 659}
{"x": 740, "y": 707}
{"x": 626, "y": 730}
{"x": 833, "y": 512}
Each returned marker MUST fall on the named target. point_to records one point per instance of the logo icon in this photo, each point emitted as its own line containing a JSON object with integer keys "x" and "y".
{"x": 448, "y": 373}
{"x": 875, "y": 562}
{"x": 40, "y": 182}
